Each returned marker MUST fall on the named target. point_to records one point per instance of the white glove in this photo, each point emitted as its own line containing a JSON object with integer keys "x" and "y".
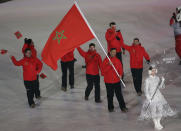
{"x": 149, "y": 100}
{"x": 163, "y": 79}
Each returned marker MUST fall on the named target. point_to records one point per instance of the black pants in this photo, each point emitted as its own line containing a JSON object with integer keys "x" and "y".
{"x": 67, "y": 66}
{"x": 30, "y": 89}
{"x": 119, "y": 56}
{"x": 37, "y": 89}
{"x": 111, "y": 89}
{"x": 93, "y": 80}
{"x": 137, "y": 78}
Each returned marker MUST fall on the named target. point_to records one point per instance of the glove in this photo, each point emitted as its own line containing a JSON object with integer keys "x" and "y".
{"x": 163, "y": 79}
{"x": 75, "y": 60}
{"x": 29, "y": 41}
{"x": 118, "y": 31}
{"x": 123, "y": 51}
{"x": 117, "y": 38}
{"x": 148, "y": 61}
{"x": 174, "y": 16}
{"x": 149, "y": 101}
{"x": 26, "y": 40}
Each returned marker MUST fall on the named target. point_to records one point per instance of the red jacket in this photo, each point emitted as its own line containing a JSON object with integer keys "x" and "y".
{"x": 137, "y": 52}
{"x": 93, "y": 61}
{"x": 68, "y": 57}
{"x": 31, "y": 67}
{"x": 112, "y": 42}
{"x": 108, "y": 71}
{"x": 33, "y": 50}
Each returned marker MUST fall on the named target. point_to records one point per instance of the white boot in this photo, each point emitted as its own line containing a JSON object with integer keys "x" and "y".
{"x": 157, "y": 124}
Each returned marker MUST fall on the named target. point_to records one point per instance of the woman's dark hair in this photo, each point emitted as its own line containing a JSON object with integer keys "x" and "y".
{"x": 150, "y": 68}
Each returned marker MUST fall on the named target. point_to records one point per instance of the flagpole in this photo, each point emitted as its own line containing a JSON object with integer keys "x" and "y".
{"x": 98, "y": 41}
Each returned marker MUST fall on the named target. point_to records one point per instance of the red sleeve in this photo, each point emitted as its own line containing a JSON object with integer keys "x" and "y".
{"x": 81, "y": 52}
{"x": 24, "y": 48}
{"x": 99, "y": 61}
{"x": 39, "y": 65}
{"x": 33, "y": 50}
{"x": 145, "y": 54}
{"x": 15, "y": 62}
{"x": 120, "y": 68}
{"x": 172, "y": 21}
{"x": 105, "y": 67}
{"x": 126, "y": 47}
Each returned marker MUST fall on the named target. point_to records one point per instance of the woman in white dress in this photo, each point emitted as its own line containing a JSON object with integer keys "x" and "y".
{"x": 155, "y": 106}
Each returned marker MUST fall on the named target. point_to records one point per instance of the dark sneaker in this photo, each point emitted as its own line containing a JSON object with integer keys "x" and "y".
{"x": 32, "y": 106}
{"x": 180, "y": 63}
{"x": 98, "y": 101}
{"x": 111, "y": 110}
{"x": 71, "y": 87}
{"x": 86, "y": 98}
{"x": 124, "y": 110}
{"x": 39, "y": 97}
{"x": 64, "y": 89}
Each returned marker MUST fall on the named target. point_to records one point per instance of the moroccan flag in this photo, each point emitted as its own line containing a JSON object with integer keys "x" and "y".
{"x": 43, "y": 76}
{"x": 18, "y": 34}
{"x": 72, "y": 31}
{"x": 3, "y": 51}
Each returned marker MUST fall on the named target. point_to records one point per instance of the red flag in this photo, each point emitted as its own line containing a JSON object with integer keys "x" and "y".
{"x": 43, "y": 76}
{"x": 68, "y": 35}
{"x": 18, "y": 35}
{"x": 3, "y": 51}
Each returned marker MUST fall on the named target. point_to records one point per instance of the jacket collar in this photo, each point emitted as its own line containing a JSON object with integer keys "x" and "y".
{"x": 92, "y": 52}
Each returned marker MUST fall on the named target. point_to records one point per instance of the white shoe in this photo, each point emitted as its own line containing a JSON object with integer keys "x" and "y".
{"x": 159, "y": 127}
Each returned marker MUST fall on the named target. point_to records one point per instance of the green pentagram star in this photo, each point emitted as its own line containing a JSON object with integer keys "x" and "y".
{"x": 59, "y": 37}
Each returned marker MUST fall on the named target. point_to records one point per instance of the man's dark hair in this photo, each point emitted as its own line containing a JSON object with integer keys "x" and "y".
{"x": 92, "y": 44}
{"x": 27, "y": 49}
{"x": 112, "y": 49}
{"x": 112, "y": 23}
{"x": 136, "y": 39}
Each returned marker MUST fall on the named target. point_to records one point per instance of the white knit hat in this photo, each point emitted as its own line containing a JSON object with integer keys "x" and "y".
{"x": 152, "y": 66}
{"x": 179, "y": 8}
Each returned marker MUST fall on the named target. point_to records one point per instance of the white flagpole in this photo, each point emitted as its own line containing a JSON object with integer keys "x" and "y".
{"x": 98, "y": 41}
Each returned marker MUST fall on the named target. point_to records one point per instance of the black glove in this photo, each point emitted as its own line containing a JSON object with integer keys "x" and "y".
{"x": 25, "y": 40}
{"x": 117, "y": 38}
{"x": 174, "y": 16}
{"x": 118, "y": 31}
{"x": 75, "y": 60}
{"x": 83, "y": 66}
{"x": 29, "y": 41}
{"x": 148, "y": 62}
{"x": 123, "y": 51}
